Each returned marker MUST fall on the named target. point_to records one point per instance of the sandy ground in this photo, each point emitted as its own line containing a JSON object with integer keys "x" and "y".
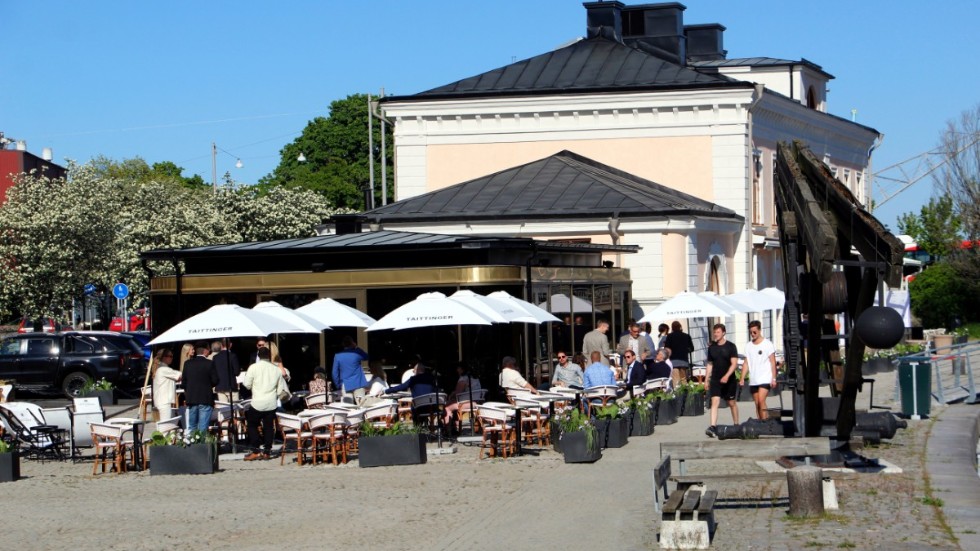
{"x": 456, "y": 502}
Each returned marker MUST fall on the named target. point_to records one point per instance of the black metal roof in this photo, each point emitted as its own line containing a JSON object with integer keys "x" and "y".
{"x": 377, "y": 241}
{"x": 757, "y": 62}
{"x": 560, "y": 186}
{"x": 585, "y": 66}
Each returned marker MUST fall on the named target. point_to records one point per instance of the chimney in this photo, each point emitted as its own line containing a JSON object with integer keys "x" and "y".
{"x": 657, "y": 29}
{"x": 47, "y": 154}
{"x": 347, "y": 223}
{"x": 604, "y": 19}
{"x": 705, "y": 42}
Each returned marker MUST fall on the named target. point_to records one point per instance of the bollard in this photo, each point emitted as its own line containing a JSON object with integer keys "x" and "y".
{"x": 805, "y": 491}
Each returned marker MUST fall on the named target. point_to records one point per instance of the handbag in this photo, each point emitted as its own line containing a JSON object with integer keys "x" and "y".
{"x": 282, "y": 390}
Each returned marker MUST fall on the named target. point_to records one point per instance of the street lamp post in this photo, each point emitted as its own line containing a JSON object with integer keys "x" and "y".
{"x": 214, "y": 165}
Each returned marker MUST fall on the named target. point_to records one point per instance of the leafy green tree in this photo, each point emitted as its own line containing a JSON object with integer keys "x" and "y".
{"x": 137, "y": 170}
{"x": 336, "y": 152}
{"x": 940, "y": 295}
{"x": 937, "y": 229}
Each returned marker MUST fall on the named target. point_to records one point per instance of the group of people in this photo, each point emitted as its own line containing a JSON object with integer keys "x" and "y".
{"x": 722, "y": 363}
{"x": 643, "y": 360}
{"x": 206, "y": 371}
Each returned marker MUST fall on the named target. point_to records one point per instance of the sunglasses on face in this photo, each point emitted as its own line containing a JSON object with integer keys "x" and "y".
{"x": 562, "y": 357}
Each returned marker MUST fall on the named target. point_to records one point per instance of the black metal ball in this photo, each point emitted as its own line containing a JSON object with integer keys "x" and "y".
{"x": 880, "y": 327}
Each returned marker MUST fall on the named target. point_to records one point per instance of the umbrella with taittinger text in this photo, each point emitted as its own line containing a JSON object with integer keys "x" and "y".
{"x": 430, "y": 310}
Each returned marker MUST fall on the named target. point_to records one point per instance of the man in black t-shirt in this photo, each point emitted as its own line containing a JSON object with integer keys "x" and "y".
{"x": 722, "y": 384}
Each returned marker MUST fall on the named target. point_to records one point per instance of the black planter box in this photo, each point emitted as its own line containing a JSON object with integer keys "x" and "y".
{"x": 193, "y": 459}
{"x": 9, "y": 466}
{"x": 693, "y": 404}
{"x": 667, "y": 411}
{"x": 574, "y": 447}
{"x": 613, "y": 433}
{"x": 639, "y": 427}
{"x": 106, "y": 397}
{"x": 400, "y": 449}
{"x": 556, "y": 437}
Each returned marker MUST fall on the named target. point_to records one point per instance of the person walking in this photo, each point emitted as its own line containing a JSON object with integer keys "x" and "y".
{"x": 265, "y": 381}
{"x": 722, "y": 361}
{"x": 199, "y": 379}
{"x": 760, "y": 368}
{"x": 347, "y": 371}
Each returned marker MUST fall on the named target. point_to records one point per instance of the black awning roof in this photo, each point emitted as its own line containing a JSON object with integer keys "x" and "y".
{"x": 560, "y": 186}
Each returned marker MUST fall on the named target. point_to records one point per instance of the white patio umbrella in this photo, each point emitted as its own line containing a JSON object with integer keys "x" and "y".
{"x": 336, "y": 314}
{"x": 779, "y": 296}
{"x": 760, "y": 300}
{"x": 731, "y": 304}
{"x": 685, "y": 305}
{"x": 225, "y": 321}
{"x": 561, "y": 304}
{"x": 498, "y": 310}
{"x": 307, "y": 324}
{"x": 540, "y": 314}
{"x": 430, "y": 310}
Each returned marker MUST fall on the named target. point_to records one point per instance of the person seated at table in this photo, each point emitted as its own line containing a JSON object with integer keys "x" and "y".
{"x": 464, "y": 384}
{"x": 636, "y": 373}
{"x": 510, "y": 378}
{"x": 659, "y": 369}
{"x": 598, "y": 373}
{"x": 164, "y": 384}
{"x": 567, "y": 374}
{"x": 318, "y": 385}
{"x": 423, "y": 382}
{"x": 376, "y": 386}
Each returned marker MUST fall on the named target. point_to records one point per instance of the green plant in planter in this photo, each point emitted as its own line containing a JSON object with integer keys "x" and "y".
{"x": 694, "y": 387}
{"x": 368, "y": 429}
{"x": 642, "y": 407}
{"x": 571, "y": 419}
{"x": 174, "y": 438}
{"x": 94, "y": 385}
{"x": 610, "y": 412}
{"x": 5, "y": 447}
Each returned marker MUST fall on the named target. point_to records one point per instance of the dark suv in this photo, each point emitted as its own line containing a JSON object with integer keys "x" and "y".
{"x": 67, "y": 361}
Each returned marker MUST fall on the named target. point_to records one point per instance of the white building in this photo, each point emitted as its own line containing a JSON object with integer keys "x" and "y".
{"x": 647, "y": 96}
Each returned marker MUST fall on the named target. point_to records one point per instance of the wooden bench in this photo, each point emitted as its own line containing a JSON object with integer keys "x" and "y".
{"x": 762, "y": 448}
{"x": 687, "y": 516}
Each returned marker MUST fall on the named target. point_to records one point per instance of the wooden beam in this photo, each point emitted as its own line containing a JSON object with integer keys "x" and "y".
{"x": 866, "y": 233}
{"x": 817, "y": 233}
{"x": 761, "y": 448}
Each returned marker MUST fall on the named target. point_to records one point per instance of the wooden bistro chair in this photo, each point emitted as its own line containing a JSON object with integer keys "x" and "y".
{"x": 497, "y": 432}
{"x": 109, "y": 445}
{"x": 316, "y": 401}
{"x": 329, "y": 436}
{"x": 293, "y": 429}
{"x": 600, "y": 395}
{"x": 534, "y": 421}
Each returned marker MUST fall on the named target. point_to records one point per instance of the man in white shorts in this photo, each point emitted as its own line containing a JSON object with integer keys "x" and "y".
{"x": 760, "y": 360}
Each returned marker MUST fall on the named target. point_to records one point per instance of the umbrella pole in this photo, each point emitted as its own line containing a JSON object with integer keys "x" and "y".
{"x": 232, "y": 430}
{"x": 146, "y": 381}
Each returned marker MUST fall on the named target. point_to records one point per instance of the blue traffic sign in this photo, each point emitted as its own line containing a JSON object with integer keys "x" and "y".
{"x": 120, "y": 291}
{"x": 89, "y": 289}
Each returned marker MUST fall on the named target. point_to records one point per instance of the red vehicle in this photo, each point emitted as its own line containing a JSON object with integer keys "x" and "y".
{"x": 138, "y": 321}
{"x": 47, "y": 326}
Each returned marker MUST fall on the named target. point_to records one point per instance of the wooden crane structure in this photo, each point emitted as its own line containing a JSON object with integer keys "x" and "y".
{"x": 819, "y": 222}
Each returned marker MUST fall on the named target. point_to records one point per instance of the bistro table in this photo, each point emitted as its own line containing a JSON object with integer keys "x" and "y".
{"x": 136, "y": 427}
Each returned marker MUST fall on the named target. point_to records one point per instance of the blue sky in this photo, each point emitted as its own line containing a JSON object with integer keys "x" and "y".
{"x": 162, "y": 80}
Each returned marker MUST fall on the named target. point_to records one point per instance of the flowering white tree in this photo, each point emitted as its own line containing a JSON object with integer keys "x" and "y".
{"x": 279, "y": 213}
{"x": 58, "y": 235}
{"x": 54, "y": 238}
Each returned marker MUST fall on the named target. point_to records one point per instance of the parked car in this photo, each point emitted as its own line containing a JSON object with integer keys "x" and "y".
{"x": 48, "y": 325}
{"x": 142, "y": 338}
{"x": 67, "y": 361}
